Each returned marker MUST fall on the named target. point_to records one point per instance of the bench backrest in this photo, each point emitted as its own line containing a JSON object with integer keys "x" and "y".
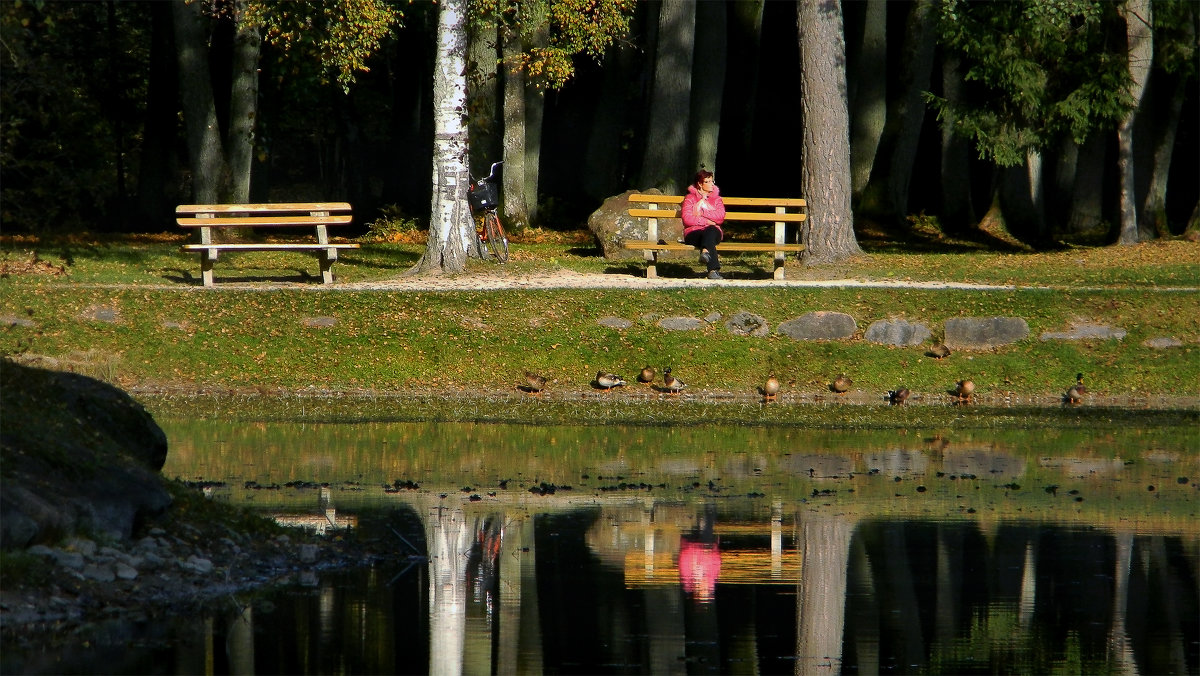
{"x": 263, "y": 215}
{"x": 667, "y": 206}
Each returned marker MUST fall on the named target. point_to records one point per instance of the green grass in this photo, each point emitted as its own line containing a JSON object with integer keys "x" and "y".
{"x": 468, "y": 343}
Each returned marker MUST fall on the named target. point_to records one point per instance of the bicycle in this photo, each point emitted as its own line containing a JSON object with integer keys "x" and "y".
{"x": 484, "y": 195}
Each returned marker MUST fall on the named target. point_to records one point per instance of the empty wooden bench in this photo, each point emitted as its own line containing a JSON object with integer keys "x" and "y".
{"x": 317, "y": 216}
{"x": 737, "y": 210}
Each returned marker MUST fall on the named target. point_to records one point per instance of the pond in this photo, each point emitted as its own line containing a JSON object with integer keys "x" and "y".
{"x": 704, "y": 549}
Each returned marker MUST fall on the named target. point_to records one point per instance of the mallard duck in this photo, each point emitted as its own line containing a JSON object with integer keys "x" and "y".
{"x": 841, "y": 384}
{"x": 771, "y": 388}
{"x": 1075, "y": 393}
{"x": 535, "y": 382}
{"x": 671, "y": 383}
{"x": 607, "y": 381}
{"x": 646, "y": 376}
{"x": 939, "y": 351}
{"x": 898, "y": 396}
{"x": 964, "y": 389}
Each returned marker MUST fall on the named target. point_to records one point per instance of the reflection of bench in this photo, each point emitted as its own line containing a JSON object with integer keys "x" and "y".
{"x": 783, "y": 211}
{"x": 318, "y": 215}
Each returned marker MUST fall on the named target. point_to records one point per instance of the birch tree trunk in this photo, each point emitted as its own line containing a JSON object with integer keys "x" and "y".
{"x": 663, "y": 164}
{"x": 828, "y": 234}
{"x": 199, "y": 108}
{"x": 243, "y": 107}
{"x": 708, "y": 83}
{"x": 1140, "y": 41}
{"x": 869, "y": 96}
{"x": 450, "y": 225}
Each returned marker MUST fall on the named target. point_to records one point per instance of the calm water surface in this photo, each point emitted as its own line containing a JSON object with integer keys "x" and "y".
{"x": 701, "y": 550}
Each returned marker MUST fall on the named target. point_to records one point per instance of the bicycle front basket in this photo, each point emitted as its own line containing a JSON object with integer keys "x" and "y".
{"x": 484, "y": 195}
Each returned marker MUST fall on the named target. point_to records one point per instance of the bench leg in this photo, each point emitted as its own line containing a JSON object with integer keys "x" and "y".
{"x": 651, "y": 264}
{"x": 779, "y": 259}
{"x": 327, "y": 256}
{"x": 206, "y": 268}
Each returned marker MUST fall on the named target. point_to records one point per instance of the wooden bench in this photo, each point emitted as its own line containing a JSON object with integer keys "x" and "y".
{"x": 317, "y": 215}
{"x": 783, "y": 211}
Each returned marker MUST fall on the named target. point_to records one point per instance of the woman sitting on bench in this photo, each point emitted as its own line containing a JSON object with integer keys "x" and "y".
{"x": 703, "y": 212}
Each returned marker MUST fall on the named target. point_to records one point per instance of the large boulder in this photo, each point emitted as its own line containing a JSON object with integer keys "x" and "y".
{"x": 613, "y": 226}
{"x": 984, "y": 333}
{"x": 78, "y": 455}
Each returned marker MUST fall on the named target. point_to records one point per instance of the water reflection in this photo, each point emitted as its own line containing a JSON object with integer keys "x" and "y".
{"x": 862, "y": 554}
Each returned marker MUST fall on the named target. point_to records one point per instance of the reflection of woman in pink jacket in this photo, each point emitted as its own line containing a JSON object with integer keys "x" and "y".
{"x": 703, "y": 212}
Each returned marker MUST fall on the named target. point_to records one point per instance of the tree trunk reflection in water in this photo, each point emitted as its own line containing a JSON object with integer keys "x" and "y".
{"x": 449, "y": 540}
{"x": 824, "y": 547}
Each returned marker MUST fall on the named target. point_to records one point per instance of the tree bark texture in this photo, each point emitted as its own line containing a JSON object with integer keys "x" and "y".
{"x": 199, "y": 109}
{"x": 828, "y": 234}
{"x": 1087, "y": 191}
{"x": 958, "y": 207}
{"x": 1140, "y": 50}
{"x": 666, "y": 148}
{"x": 708, "y": 83}
{"x": 824, "y": 543}
{"x": 1153, "y": 219}
{"x": 535, "y": 35}
{"x": 451, "y": 227}
{"x": 516, "y": 211}
{"x": 243, "y": 108}
{"x": 484, "y": 123}
{"x": 909, "y": 108}
{"x": 868, "y": 96}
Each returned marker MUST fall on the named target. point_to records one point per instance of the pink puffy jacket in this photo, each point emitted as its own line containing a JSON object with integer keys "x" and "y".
{"x": 699, "y": 212}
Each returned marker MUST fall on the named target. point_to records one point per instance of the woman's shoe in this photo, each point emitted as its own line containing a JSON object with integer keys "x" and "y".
{"x": 704, "y": 257}
{"x": 714, "y": 274}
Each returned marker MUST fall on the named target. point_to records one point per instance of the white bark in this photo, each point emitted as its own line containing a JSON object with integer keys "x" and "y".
{"x": 451, "y": 228}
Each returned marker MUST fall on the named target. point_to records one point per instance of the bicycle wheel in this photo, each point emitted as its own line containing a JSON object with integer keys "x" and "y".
{"x": 496, "y": 239}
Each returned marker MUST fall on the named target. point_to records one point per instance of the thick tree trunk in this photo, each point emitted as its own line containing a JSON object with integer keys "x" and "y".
{"x": 536, "y": 35}
{"x": 958, "y": 207}
{"x": 868, "y": 96}
{"x": 708, "y": 78}
{"x": 665, "y": 153}
{"x": 243, "y": 107}
{"x": 1153, "y": 219}
{"x": 741, "y": 90}
{"x": 516, "y": 211}
{"x": 1087, "y": 190}
{"x": 828, "y": 234}
{"x": 199, "y": 108}
{"x": 1140, "y": 46}
{"x": 158, "y": 130}
{"x": 483, "y": 99}
{"x": 450, "y": 225}
{"x": 606, "y": 172}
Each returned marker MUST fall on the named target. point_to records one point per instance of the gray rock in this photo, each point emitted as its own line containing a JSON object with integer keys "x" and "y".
{"x": 319, "y": 322}
{"x": 614, "y": 322}
{"x": 681, "y": 323}
{"x": 712, "y": 317}
{"x": 1085, "y": 331}
{"x": 82, "y": 545}
{"x": 612, "y": 226}
{"x": 747, "y": 324}
{"x": 981, "y": 333}
{"x": 1162, "y": 343}
{"x": 308, "y": 553}
{"x": 100, "y": 313}
{"x": 41, "y": 550}
{"x": 13, "y": 320}
{"x": 125, "y": 571}
{"x": 99, "y": 572}
{"x": 897, "y": 332}
{"x": 72, "y": 560}
{"x": 197, "y": 564}
{"x": 820, "y": 325}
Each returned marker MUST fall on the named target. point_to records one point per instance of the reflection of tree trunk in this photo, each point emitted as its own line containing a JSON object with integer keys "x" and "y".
{"x": 949, "y": 582}
{"x": 866, "y": 616}
{"x": 239, "y": 642}
{"x": 1027, "y": 602}
{"x": 1169, "y": 588}
{"x": 519, "y": 632}
{"x": 824, "y": 544}
{"x": 668, "y": 636}
{"x": 449, "y": 539}
{"x": 901, "y": 604}
{"x": 1120, "y": 645}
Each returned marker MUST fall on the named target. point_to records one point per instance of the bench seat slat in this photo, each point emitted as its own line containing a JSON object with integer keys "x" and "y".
{"x": 268, "y": 247}
{"x": 278, "y": 207}
{"x": 641, "y": 244}
{"x": 788, "y": 202}
{"x": 262, "y": 221}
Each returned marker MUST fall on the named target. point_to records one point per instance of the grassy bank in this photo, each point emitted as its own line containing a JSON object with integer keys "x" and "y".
{"x": 127, "y": 310}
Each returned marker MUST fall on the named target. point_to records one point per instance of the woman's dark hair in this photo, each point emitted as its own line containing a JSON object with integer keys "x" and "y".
{"x": 701, "y": 175}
